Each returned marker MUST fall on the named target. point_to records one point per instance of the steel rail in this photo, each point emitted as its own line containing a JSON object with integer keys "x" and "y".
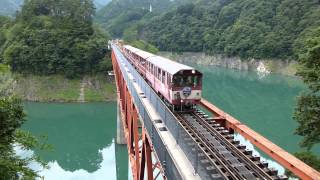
{"x": 244, "y": 158}
{"x": 195, "y": 135}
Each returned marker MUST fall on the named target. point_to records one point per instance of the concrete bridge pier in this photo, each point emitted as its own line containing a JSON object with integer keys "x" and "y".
{"x": 121, "y": 139}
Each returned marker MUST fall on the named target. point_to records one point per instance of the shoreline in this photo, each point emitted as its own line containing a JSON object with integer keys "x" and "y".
{"x": 101, "y": 88}
{"x": 58, "y": 89}
{"x": 68, "y": 102}
{"x": 265, "y": 66}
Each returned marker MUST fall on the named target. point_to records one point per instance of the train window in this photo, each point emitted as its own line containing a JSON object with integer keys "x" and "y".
{"x": 177, "y": 80}
{"x": 163, "y": 76}
{"x": 159, "y": 73}
{"x": 156, "y": 72}
{"x": 180, "y": 81}
{"x": 197, "y": 81}
{"x": 190, "y": 81}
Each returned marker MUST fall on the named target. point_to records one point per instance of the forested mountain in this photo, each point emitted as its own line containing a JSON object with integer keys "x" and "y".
{"x": 53, "y": 37}
{"x": 245, "y": 28}
{"x": 9, "y": 7}
{"x": 119, "y": 15}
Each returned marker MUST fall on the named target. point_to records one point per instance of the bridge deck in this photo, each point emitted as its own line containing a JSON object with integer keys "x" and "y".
{"x": 177, "y": 165}
{"x": 179, "y": 158}
{"x": 187, "y": 145}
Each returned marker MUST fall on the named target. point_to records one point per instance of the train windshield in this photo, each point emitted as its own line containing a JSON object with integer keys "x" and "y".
{"x": 186, "y": 80}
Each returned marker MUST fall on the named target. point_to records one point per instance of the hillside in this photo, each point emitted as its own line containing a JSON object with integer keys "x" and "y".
{"x": 9, "y": 7}
{"x": 47, "y": 38}
{"x": 245, "y": 28}
{"x": 119, "y": 15}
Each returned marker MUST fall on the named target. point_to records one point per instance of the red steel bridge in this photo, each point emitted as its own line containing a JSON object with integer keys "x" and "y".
{"x": 163, "y": 144}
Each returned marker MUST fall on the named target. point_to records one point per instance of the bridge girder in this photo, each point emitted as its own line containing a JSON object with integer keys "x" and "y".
{"x": 139, "y": 144}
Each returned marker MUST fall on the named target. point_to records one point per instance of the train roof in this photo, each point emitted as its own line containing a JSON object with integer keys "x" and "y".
{"x": 139, "y": 52}
{"x": 168, "y": 65}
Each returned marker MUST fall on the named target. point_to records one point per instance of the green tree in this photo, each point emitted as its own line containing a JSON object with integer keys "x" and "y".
{"x": 307, "y": 112}
{"x": 56, "y": 37}
{"x": 12, "y": 116}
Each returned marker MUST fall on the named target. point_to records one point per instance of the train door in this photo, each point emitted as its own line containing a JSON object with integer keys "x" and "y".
{"x": 168, "y": 84}
{"x": 154, "y": 75}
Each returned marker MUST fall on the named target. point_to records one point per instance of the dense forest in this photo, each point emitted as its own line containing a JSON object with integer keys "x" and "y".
{"x": 10, "y": 7}
{"x": 121, "y": 15}
{"x": 245, "y": 28}
{"x": 54, "y": 37}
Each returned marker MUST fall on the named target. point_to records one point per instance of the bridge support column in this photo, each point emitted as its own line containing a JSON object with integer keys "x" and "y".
{"x": 121, "y": 139}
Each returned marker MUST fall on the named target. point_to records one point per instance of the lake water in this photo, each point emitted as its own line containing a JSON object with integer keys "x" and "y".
{"x": 83, "y": 140}
{"x": 263, "y": 102}
{"x": 83, "y": 135}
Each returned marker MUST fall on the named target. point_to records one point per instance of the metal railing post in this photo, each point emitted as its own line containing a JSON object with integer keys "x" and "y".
{"x": 178, "y": 132}
{"x": 197, "y": 160}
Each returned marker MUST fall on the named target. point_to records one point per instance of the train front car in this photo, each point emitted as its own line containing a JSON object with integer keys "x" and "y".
{"x": 178, "y": 84}
{"x": 186, "y": 87}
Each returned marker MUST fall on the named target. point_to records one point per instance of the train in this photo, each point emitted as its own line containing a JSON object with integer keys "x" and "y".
{"x": 179, "y": 85}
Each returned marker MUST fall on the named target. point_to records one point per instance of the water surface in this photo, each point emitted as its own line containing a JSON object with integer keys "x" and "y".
{"x": 83, "y": 140}
{"x": 263, "y": 102}
{"x": 83, "y": 135}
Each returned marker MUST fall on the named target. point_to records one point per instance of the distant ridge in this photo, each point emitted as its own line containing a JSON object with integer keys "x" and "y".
{"x": 101, "y": 3}
{"x": 9, "y": 7}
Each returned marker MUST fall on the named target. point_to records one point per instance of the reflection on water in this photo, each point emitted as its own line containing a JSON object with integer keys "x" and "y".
{"x": 106, "y": 168}
{"x": 83, "y": 138}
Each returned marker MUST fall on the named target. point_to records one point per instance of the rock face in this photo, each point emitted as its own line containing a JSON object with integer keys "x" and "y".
{"x": 286, "y": 67}
{"x": 262, "y": 68}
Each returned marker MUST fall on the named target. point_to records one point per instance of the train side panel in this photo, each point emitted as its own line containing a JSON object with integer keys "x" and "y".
{"x": 163, "y": 83}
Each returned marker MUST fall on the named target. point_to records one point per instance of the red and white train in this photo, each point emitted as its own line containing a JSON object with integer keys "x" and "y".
{"x": 178, "y": 84}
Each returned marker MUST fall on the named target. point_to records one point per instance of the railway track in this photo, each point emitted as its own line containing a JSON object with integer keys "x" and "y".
{"x": 223, "y": 157}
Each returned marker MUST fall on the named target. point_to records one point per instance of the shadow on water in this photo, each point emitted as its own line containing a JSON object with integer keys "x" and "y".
{"x": 78, "y": 133}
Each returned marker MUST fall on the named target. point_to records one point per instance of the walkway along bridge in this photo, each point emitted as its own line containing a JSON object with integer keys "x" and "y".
{"x": 193, "y": 145}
